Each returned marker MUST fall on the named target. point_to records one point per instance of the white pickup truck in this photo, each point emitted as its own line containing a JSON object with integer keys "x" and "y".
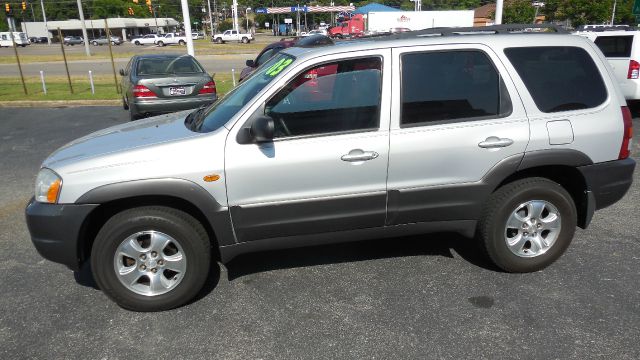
{"x": 172, "y": 39}
{"x": 232, "y": 35}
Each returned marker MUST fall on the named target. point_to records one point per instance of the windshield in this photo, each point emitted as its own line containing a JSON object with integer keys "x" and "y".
{"x": 221, "y": 111}
{"x": 168, "y": 66}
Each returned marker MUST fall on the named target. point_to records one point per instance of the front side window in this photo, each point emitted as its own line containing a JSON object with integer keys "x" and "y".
{"x": 445, "y": 86}
{"x": 333, "y": 97}
{"x": 559, "y": 78}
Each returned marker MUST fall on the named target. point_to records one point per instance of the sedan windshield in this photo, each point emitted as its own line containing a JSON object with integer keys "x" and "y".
{"x": 221, "y": 111}
{"x": 168, "y": 66}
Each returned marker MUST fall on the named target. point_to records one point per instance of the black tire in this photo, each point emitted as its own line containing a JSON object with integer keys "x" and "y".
{"x": 245, "y": 40}
{"x": 219, "y": 41}
{"x": 95, "y": 43}
{"x": 181, "y": 42}
{"x": 492, "y": 227}
{"x": 133, "y": 115}
{"x": 191, "y": 236}
{"x": 160, "y": 43}
{"x": 137, "y": 43}
{"x": 125, "y": 105}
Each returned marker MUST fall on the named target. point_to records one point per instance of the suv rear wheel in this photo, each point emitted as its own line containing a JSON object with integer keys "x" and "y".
{"x": 527, "y": 224}
{"x": 151, "y": 258}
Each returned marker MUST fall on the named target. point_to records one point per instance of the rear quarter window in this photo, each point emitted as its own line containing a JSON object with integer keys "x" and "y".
{"x": 615, "y": 46}
{"x": 559, "y": 78}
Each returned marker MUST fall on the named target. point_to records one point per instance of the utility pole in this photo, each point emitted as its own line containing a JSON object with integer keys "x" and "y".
{"x": 499, "y": 5}
{"x": 187, "y": 27}
{"x": 613, "y": 15}
{"x": 235, "y": 15}
{"x": 44, "y": 18}
{"x": 84, "y": 30}
{"x": 210, "y": 18}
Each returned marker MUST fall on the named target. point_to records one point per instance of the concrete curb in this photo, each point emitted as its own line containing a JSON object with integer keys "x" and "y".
{"x": 58, "y": 103}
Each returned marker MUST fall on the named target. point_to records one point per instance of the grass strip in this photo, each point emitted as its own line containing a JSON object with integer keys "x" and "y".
{"x": 58, "y": 88}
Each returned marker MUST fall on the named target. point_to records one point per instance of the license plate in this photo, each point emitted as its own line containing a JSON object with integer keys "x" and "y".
{"x": 177, "y": 91}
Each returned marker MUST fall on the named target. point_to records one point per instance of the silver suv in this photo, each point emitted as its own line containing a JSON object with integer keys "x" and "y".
{"x": 514, "y": 139}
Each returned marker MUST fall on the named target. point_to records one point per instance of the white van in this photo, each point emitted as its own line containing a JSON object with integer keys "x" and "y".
{"x": 20, "y": 38}
{"x": 622, "y": 50}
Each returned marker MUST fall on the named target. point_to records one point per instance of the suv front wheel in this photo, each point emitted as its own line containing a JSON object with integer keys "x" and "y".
{"x": 151, "y": 258}
{"x": 527, "y": 224}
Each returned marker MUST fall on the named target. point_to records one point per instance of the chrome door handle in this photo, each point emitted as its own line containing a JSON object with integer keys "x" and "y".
{"x": 359, "y": 155}
{"x": 493, "y": 142}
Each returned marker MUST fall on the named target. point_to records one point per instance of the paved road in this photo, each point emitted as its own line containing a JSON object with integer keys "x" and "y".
{"x": 420, "y": 297}
{"x": 211, "y": 63}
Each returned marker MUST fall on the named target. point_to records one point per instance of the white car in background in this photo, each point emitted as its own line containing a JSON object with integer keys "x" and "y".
{"x": 315, "y": 32}
{"x": 146, "y": 40}
{"x": 621, "y": 47}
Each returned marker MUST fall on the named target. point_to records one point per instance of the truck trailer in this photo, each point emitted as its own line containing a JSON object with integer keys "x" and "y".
{"x": 417, "y": 20}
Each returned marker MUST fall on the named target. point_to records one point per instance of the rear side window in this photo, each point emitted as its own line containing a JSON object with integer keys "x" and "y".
{"x": 615, "y": 46}
{"x": 559, "y": 78}
{"x": 445, "y": 86}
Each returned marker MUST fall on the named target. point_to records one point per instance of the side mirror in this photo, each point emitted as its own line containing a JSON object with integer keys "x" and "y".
{"x": 250, "y": 63}
{"x": 121, "y": 72}
{"x": 262, "y": 129}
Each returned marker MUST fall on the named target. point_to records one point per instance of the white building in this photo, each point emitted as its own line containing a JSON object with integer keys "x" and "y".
{"x": 124, "y": 27}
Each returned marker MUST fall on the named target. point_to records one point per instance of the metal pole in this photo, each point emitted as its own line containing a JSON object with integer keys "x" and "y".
{"x": 33, "y": 15}
{"x": 64, "y": 56}
{"x": 93, "y": 89}
{"x": 113, "y": 64}
{"x": 613, "y": 15}
{"x": 187, "y": 27}
{"x": 233, "y": 76}
{"x": 84, "y": 30}
{"x": 235, "y": 15}
{"x": 210, "y": 18}
{"x": 155, "y": 18}
{"x": 499, "y": 5}
{"x": 15, "y": 50}
{"x": 44, "y": 85}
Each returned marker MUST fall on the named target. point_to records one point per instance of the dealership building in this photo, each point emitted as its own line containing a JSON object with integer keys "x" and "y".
{"x": 123, "y": 27}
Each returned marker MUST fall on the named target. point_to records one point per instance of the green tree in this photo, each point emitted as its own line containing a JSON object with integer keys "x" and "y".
{"x": 518, "y": 12}
{"x": 579, "y": 12}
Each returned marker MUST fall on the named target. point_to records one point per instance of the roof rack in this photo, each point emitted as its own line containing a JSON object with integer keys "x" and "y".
{"x": 480, "y": 30}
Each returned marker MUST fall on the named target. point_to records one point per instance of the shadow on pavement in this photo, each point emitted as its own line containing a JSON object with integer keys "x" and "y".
{"x": 440, "y": 244}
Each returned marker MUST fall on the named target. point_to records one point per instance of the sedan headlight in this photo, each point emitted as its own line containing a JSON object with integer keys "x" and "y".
{"x": 48, "y": 185}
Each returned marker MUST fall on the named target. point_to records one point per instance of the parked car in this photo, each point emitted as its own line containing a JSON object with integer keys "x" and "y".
{"x": 621, "y": 46}
{"x": 146, "y": 40}
{"x": 102, "y": 40}
{"x": 38, "y": 39}
{"x": 157, "y": 84}
{"x": 514, "y": 139}
{"x": 316, "y": 32}
{"x": 73, "y": 40}
{"x": 197, "y": 35}
{"x": 267, "y": 53}
{"x": 172, "y": 39}
{"x": 232, "y": 35}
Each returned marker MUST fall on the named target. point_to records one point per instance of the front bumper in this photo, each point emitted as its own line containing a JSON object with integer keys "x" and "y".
{"x": 56, "y": 229}
{"x": 166, "y": 105}
{"x": 608, "y": 181}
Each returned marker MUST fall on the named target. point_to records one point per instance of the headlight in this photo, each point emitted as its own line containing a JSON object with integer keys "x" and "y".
{"x": 48, "y": 185}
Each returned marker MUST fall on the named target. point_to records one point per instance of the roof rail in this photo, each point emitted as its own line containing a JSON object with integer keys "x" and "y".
{"x": 494, "y": 29}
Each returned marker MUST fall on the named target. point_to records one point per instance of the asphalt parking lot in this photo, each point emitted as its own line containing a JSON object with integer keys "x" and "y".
{"x": 419, "y": 297}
